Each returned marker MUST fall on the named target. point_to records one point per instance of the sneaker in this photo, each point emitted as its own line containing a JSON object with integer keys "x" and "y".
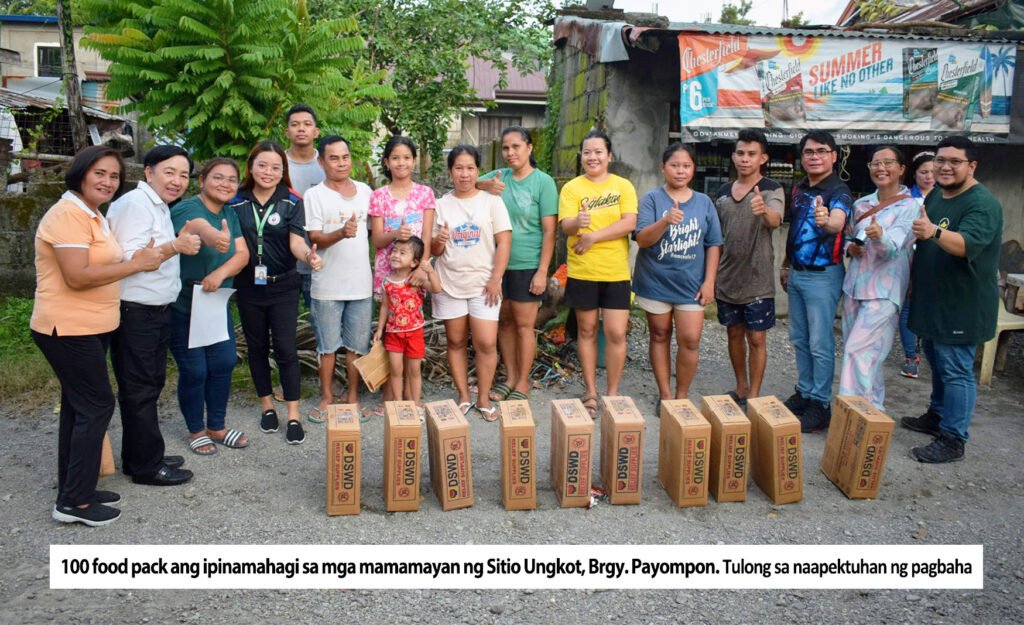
{"x": 107, "y": 497}
{"x": 164, "y": 476}
{"x": 93, "y": 515}
{"x": 268, "y": 422}
{"x": 797, "y": 403}
{"x": 945, "y": 448}
{"x": 927, "y": 423}
{"x": 295, "y": 434}
{"x": 816, "y": 418}
{"x": 911, "y": 368}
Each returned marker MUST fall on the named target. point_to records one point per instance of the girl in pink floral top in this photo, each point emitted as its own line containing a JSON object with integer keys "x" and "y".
{"x": 399, "y": 210}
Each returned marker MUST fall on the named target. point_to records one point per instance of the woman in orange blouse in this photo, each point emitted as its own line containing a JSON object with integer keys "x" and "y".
{"x": 78, "y": 266}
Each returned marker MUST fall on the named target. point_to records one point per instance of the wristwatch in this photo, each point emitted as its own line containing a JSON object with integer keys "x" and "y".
{"x": 938, "y": 233}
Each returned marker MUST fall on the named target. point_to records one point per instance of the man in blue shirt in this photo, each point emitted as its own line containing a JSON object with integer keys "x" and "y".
{"x": 813, "y": 276}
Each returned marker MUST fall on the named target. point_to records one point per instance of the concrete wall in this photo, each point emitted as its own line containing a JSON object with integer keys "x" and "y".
{"x": 22, "y": 38}
{"x": 999, "y": 169}
{"x": 584, "y": 97}
{"x": 19, "y": 216}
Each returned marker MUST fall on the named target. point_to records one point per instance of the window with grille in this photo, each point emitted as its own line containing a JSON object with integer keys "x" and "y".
{"x": 48, "y": 61}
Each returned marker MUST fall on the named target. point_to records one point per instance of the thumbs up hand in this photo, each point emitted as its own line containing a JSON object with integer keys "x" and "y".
{"x": 757, "y": 205}
{"x": 874, "y": 231}
{"x": 223, "y": 241}
{"x": 148, "y": 258}
{"x": 923, "y": 228}
{"x": 443, "y": 234}
{"x": 404, "y": 231}
{"x": 820, "y": 213}
{"x": 313, "y": 259}
{"x": 351, "y": 227}
{"x": 497, "y": 187}
{"x": 583, "y": 219}
{"x": 674, "y": 216}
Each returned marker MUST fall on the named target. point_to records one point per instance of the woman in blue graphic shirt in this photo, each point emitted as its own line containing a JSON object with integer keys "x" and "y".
{"x": 680, "y": 240}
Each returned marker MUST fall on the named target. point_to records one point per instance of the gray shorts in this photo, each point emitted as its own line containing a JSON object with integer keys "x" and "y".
{"x": 342, "y": 324}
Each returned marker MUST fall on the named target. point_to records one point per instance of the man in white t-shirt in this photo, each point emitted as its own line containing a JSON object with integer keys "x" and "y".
{"x": 304, "y": 168}
{"x": 341, "y": 310}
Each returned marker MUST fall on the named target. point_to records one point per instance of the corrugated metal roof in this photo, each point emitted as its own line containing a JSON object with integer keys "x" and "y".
{"x": 937, "y": 11}
{"x": 22, "y": 99}
{"x": 484, "y": 77}
{"x": 825, "y": 31}
{"x": 30, "y": 19}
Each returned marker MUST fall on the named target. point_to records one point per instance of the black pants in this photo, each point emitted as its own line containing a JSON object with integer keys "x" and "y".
{"x": 139, "y": 355}
{"x": 86, "y": 405}
{"x": 266, "y": 320}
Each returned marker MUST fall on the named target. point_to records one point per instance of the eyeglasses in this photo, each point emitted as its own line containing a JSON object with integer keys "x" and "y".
{"x": 261, "y": 166}
{"x": 952, "y": 162}
{"x": 820, "y": 153}
{"x": 884, "y": 162}
{"x": 219, "y": 179}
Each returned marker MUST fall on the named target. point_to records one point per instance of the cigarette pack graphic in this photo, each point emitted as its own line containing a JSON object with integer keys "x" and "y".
{"x": 782, "y": 93}
{"x": 920, "y": 81}
{"x": 959, "y": 86}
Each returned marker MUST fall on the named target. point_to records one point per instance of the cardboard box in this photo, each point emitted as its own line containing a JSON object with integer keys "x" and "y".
{"x": 856, "y": 447}
{"x": 344, "y": 459}
{"x": 684, "y": 453}
{"x": 776, "y": 457}
{"x": 451, "y": 469}
{"x": 107, "y": 457}
{"x": 622, "y": 449}
{"x": 572, "y": 443}
{"x": 518, "y": 456}
{"x": 403, "y": 435}
{"x": 730, "y": 444}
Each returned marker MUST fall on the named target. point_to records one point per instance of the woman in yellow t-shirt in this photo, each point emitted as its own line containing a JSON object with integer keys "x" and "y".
{"x": 598, "y": 212}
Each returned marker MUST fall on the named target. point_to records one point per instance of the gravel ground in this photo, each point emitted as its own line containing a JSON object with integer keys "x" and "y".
{"x": 273, "y": 493}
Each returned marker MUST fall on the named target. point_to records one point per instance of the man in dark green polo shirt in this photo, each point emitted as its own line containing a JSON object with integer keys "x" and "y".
{"x": 954, "y": 294}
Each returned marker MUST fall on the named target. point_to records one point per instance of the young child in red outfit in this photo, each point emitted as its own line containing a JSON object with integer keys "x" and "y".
{"x": 401, "y": 318}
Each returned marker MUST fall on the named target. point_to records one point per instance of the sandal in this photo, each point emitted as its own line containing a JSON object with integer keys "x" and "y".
{"x": 490, "y": 415}
{"x": 316, "y": 415}
{"x": 232, "y": 439}
{"x": 517, "y": 396}
{"x": 371, "y": 412}
{"x": 198, "y": 443}
{"x": 499, "y": 392}
{"x": 590, "y": 403}
{"x": 465, "y": 407}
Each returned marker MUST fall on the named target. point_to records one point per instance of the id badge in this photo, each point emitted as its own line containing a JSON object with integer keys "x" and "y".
{"x": 260, "y": 275}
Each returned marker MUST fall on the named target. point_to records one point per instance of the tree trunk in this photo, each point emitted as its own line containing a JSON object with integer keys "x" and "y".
{"x": 72, "y": 88}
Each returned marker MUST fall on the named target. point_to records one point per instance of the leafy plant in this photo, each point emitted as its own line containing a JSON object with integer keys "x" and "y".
{"x": 221, "y": 74}
{"x": 737, "y": 13}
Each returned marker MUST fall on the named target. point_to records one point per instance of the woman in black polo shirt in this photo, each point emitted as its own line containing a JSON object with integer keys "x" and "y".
{"x": 273, "y": 224}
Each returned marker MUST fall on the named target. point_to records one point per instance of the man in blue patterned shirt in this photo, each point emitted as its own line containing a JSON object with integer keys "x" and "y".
{"x": 814, "y": 276}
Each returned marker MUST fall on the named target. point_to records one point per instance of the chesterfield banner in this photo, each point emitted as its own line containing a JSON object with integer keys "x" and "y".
{"x": 864, "y": 90}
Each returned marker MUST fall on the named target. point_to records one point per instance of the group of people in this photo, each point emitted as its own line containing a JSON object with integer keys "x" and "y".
{"x": 124, "y": 282}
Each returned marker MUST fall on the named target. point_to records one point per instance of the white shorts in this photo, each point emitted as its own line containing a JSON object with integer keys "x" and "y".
{"x": 445, "y": 306}
{"x": 660, "y": 308}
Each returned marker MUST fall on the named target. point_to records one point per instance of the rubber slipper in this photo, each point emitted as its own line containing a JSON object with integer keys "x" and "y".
{"x": 590, "y": 403}
{"x": 197, "y": 443}
{"x": 371, "y": 412}
{"x": 499, "y": 392}
{"x": 316, "y": 415}
{"x": 465, "y": 407}
{"x": 517, "y": 396}
{"x": 489, "y": 414}
{"x": 231, "y": 439}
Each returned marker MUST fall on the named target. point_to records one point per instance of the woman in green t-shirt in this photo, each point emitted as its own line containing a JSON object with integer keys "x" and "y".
{"x": 531, "y": 198}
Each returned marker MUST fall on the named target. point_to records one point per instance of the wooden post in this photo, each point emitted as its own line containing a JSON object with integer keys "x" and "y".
{"x": 72, "y": 88}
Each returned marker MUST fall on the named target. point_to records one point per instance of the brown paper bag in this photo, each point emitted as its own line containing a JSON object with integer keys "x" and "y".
{"x": 373, "y": 367}
{"x": 107, "y": 458}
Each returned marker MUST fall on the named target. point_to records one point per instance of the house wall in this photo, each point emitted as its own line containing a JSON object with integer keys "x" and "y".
{"x": 999, "y": 170}
{"x": 22, "y": 38}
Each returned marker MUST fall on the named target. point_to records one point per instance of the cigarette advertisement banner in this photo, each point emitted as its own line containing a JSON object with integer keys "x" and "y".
{"x": 864, "y": 90}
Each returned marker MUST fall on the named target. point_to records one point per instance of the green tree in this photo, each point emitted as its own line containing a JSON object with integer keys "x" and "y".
{"x": 737, "y": 14}
{"x": 426, "y": 49}
{"x": 796, "y": 21}
{"x": 30, "y": 7}
{"x": 221, "y": 74}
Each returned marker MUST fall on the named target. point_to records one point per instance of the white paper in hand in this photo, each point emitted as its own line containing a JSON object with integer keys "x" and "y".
{"x": 209, "y": 322}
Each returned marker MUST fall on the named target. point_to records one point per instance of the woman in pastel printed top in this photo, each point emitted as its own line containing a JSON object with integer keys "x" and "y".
{"x": 876, "y": 281}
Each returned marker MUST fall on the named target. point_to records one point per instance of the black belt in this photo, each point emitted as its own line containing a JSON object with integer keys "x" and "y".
{"x": 809, "y": 268}
{"x": 137, "y": 306}
{"x": 281, "y": 277}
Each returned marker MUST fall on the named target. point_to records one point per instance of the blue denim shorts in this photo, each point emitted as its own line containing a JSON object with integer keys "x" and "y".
{"x": 342, "y": 323}
{"x": 758, "y": 315}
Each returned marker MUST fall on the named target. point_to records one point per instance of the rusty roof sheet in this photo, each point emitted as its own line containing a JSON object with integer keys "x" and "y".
{"x": 18, "y": 101}
{"x": 484, "y": 77}
{"x": 601, "y": 40}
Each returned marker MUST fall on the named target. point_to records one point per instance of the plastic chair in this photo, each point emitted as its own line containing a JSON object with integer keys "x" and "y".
{"x": 994, "y": 352}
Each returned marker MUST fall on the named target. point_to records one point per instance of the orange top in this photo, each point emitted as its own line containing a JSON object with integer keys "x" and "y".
{"x": 69, "y": 223}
